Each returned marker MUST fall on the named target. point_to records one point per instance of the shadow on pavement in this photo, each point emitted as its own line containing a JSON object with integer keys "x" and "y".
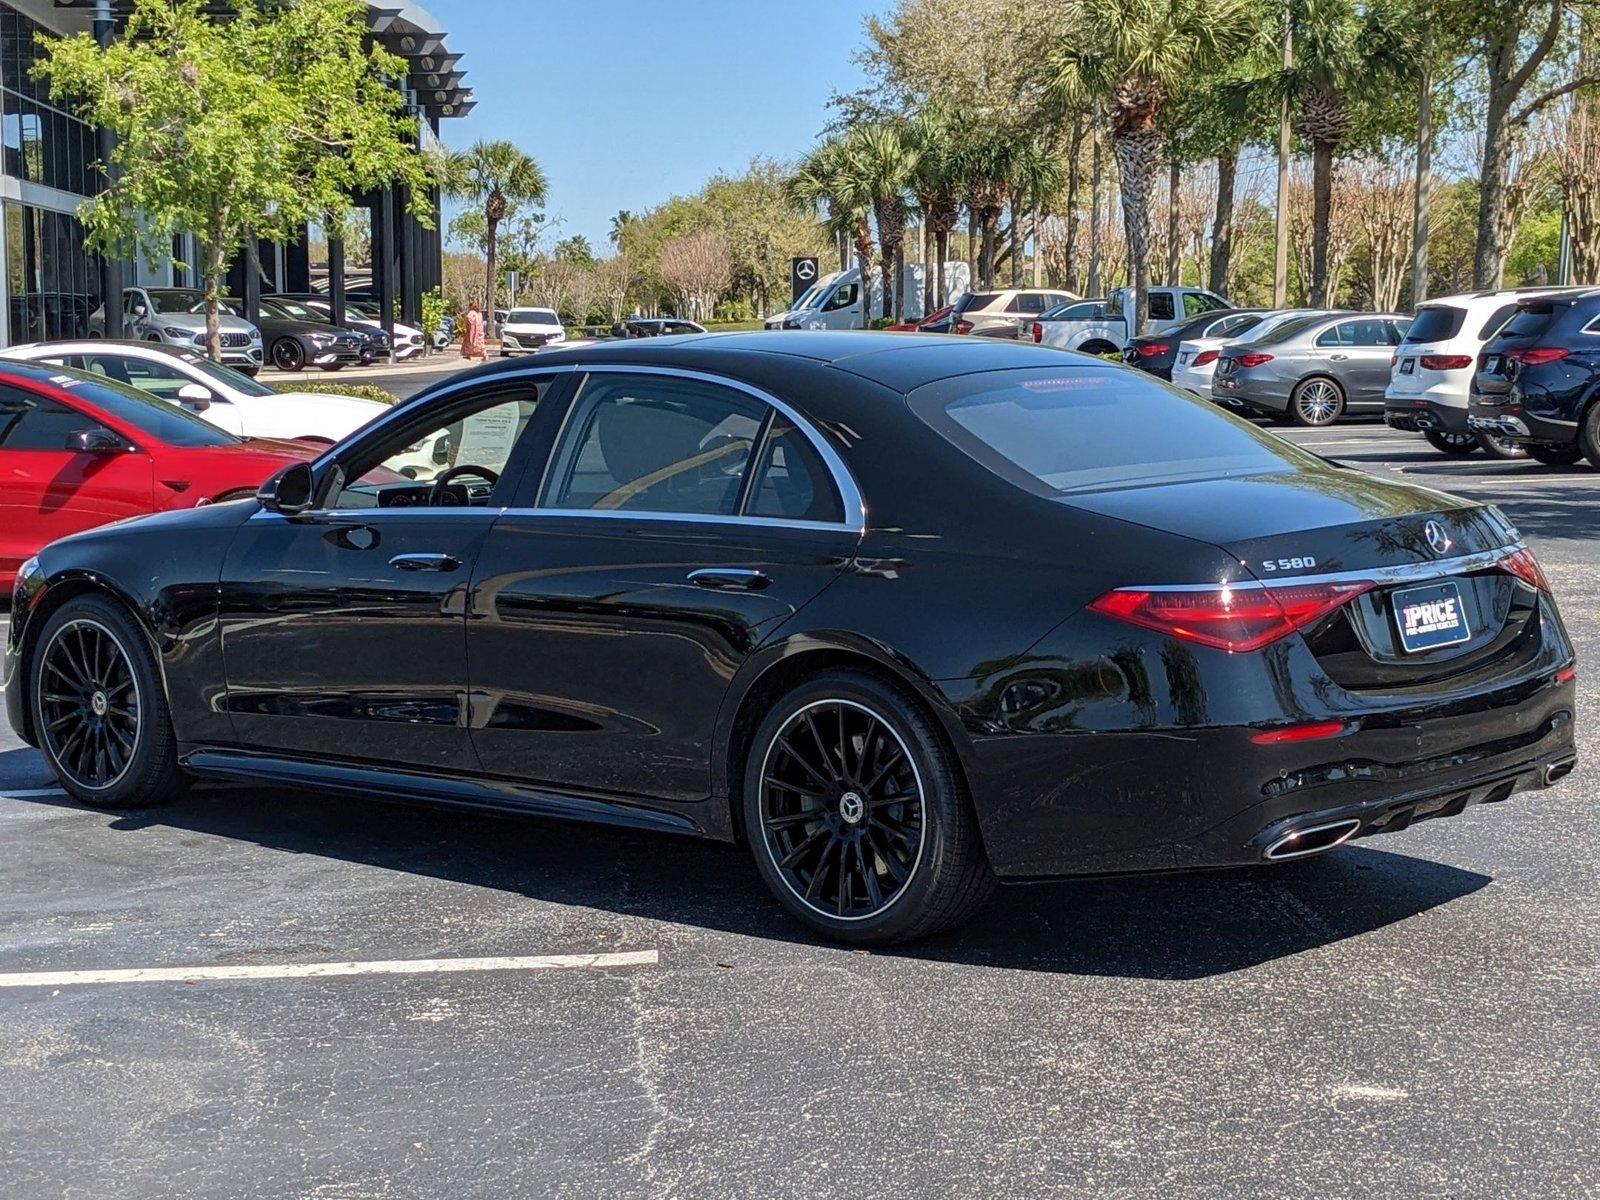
{"x": 1173, "y": 927}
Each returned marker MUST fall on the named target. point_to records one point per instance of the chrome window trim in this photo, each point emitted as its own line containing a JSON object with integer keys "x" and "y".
{"x": 609, "y": 514}
{"x": 855, "y": 512}
{"x": 1460, "y": 565}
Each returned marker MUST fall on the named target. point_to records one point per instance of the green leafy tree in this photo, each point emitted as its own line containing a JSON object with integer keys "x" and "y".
{"x": 249, "y": 127}
{"x": 500, "y": 179}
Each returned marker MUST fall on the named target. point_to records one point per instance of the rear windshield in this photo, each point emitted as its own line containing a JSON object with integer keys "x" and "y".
{"x": 1436, "y": 323}
{"x": 1532, "y": 320}
{"x": 976, "y": 300}
{"x": 1068, "y": 430}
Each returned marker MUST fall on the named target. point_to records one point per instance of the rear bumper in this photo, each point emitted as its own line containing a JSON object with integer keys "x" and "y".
{"x": 1420, "y": 416}
{"x": 1511, "y": 420}
{"x": 1250, "y": 395}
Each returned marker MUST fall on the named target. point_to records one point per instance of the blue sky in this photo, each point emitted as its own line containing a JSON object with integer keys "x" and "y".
{"x": 627, "y": 102}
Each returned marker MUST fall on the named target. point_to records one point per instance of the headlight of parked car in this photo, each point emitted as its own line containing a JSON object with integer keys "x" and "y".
{"x": 172, "y": 331}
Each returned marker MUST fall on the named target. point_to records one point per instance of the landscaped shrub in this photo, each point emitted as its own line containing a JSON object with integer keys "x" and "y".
{"x": 362, "y": 391}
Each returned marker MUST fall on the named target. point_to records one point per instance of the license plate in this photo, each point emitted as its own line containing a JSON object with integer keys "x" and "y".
{"x": 1408, "y": 366}
{"x": 1183, "y": 358}
{"x": 1430, "y": 617}
{"x": 1491, "y": 364}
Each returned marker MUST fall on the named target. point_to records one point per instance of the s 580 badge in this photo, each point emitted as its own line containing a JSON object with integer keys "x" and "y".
{"x": 1288, "y": 564}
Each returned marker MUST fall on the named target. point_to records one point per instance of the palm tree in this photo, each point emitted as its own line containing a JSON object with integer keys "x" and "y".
{"x": 500, "y": 177}
{"x": 619, "y": 225}
{"x": 1134, "y": 51}
{"x": 984, "y": 165}
{"x": 884, "y": 162}
{"x": 825, "y": 180}
{"x": 1036, "y": 176}
{"x": 936, "y": 184}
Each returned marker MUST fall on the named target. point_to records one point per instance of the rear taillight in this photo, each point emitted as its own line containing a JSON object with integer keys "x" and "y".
{"x": 1394, "y": 360}
{"x": 1204, "y": 357}
{"x": 1038, "y": 332}
{"x": 1445, "y": 362}
{"x": 1538, "y": 355}
{"x": 963, "y": 326}
{"x": 1225, "y": 617}
{"x": 1252, "y": 360}
{"x": 1313, "y": 732}
{"x": 1151, "y": 349}
{"x": 1526, "y": 567}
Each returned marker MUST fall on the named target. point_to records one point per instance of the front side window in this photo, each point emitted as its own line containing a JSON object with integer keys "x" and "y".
{"x": 1197, "y": 303}
{"x": 655, "y": 444}
{"x": 156, "y": 378}
{"x": 159, "y": 419}
{"x": 29, "y": 422}
{"x": 1367, "y": 332}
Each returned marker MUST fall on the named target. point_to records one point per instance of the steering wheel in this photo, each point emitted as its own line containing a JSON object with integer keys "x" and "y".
{"x": 444, "y": 479}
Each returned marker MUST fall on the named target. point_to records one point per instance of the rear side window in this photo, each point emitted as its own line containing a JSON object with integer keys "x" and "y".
{"x": 791, "y": 480}
{"x": 1532, "y": 320}
{"x": 1436, "y": 323}
{"x": 1080, "y": 429}
{"x": 1495, "y": 321}
{"x": 1161, "y": 308}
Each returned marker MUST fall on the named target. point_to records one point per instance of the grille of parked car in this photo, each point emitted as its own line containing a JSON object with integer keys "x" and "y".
{"x": 236, "y": 340}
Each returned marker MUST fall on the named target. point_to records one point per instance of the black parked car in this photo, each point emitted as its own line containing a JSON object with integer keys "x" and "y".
{"x": 904, "y": 614}
{"x": 1539, "y": 377}
{"x": 293, "y": 343}
{"x": 1156, "y": 352}
{"x": 372, "y": 341}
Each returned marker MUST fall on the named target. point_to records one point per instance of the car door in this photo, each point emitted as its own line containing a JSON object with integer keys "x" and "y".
{"x": 49, "y": 489}
{"x": 682, "y": 519}
{"x": 343, "y": 628}
{"x": 1357, "y": 351}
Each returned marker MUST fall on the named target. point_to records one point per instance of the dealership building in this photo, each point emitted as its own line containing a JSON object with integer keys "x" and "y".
{"x": 48, "y": 167}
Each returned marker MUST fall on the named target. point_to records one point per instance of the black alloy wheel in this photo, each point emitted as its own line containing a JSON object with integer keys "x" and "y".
{"x": 858, "y": 817}
{"x": 89, "y": 704}
{"x": 99, "y": 713}
{"x": 1456, "y": 445}
{"x": 288, "y": 355}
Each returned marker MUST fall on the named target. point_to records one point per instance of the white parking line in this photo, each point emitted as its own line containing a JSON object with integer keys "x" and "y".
{"x": 413, "y": 966}
{"x": 34, "y": 793}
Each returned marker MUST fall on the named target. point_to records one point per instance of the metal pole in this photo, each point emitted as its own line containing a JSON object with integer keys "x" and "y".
{"x": 384, "y": 265}
{"x": 1424, "y": 186}
{"x": 336, "y": 280}
{"x": 1280, "y": 262}
{"x": 1564, "y": 260}
{"x": 105, "y": 143}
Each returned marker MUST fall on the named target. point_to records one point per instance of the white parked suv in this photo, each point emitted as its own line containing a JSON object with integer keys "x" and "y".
{"x": 223, "y": 396}
{"x": 996, "y": 313}
{"x": 1197, "y": 357}
{"x": 1431, "y": 372}
{"x": 1108, "y": 334}
{"x": 528, "y": 329}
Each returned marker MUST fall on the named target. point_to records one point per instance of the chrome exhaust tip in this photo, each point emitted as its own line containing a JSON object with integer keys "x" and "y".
{"x": 1558, "y": 771}
{"x": 1314, "y": 839}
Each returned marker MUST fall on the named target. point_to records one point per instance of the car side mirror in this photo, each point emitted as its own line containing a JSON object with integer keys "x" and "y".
{"x": 139, "y": 310}
{"x": 195, "y": 395}
{"x": 96, "y": 441}
{"x": 289, "y": 491}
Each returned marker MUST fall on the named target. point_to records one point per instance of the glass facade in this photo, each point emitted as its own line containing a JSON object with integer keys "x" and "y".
{"x": 52, "y": 284}
{"x": 41, "y": 143}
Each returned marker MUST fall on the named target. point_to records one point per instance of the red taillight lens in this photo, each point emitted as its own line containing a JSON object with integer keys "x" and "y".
{"x": 1445, "y": 362}
{"x": 1299, "y": 733}
{"x": 1204, "y": 357}
{"x": 1538, "y": 355}
{"x": 963, "y": 326}
{"x": 1038, "y": 332}
{"x": 1252, "y": 360}
{"x": 1228, "y": 618}
{"x": 1150, "y": 350}
{"x": 1526, "y": 567}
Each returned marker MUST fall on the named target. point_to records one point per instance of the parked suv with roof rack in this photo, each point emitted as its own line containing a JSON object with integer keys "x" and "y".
{"x": 1431, "y": 373}
{"x": 1538, "y": 379}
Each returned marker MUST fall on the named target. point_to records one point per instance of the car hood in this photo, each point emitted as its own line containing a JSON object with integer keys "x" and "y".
{"x": 299, "y": 327}
{"x": 1339, "y": 520}
{"x": 197, "y": 322}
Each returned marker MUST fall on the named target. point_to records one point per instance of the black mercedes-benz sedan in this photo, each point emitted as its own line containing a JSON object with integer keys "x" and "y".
{"x": 905, "y": 615}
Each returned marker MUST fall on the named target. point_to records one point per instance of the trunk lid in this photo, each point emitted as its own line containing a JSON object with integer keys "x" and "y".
{"x": 1427, "y": 554}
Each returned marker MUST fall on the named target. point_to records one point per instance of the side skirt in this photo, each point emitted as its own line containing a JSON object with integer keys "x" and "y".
{"x": 446, "y": 791}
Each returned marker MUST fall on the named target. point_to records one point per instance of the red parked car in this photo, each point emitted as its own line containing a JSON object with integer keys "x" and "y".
{"x": 79, "y": 450}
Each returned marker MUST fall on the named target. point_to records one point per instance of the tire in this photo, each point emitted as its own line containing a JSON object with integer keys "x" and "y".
{"x": 1316, "y": 402}
{"x": 1456, "y": 445}
{"x": 867, "y": 725}
{"x": 250, "y": 371}
{"x": 1499, "y": 447}
{"x": 288, "y": 355}
{"x": 1589, "y": 435}
{"x": 1556, "y": 456}
{"x": 102, "y": 722}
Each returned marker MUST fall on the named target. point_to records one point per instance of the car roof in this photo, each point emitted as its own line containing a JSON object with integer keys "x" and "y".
{"x": 100, "y": 346}
{"x": 898, "y": 361}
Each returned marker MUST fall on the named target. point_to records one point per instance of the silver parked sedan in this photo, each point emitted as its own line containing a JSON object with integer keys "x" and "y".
{"x": 1313, "y": 371}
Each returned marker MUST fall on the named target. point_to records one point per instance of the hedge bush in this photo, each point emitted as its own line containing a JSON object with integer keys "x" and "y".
{"x": 362, "y": 391}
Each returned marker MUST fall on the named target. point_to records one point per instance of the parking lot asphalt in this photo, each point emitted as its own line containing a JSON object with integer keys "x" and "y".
{"x": 1414, "y": 1015}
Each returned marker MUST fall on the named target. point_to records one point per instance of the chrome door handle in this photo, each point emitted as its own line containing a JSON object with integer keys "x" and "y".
{"x": 739, "y": 579}
{"x": 1337, "y": 357}
{"x": 424, "y": 562}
